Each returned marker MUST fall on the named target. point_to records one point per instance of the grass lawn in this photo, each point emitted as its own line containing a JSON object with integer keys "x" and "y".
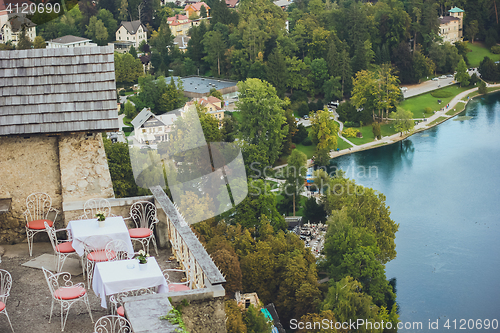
{"x": 127, "y": 121}
{"x": 440, "y": 119}
{"x": 308, "y": 150}
{"x": 367, "y": 135}
{"x": 387, "y": 129}
{"x": 478, "y": 52}
{"x": 341, "y": 144}
{"x": 418, "y": 103}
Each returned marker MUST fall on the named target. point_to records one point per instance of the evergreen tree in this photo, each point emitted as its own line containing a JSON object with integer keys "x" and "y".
{"x": 24, "y": 41}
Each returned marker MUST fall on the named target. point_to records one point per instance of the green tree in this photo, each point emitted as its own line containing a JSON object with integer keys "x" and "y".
{"x": 314, "y": 212}
{"x": 109, "y": 22}
{"x": 39, "y": 43}
{"x": 215, "y": 48}
{"x": 203, "y": 12}
{"x": 262, "y": 117}
{"x": 97, "y": 31}
{"x": 129, "y": 110}
{"x": 376, "y": 130}
{"x": 462, "y": 75}
{"x": 133, "y": 52}
{"x": 323, "y": 134}
{"x": 276, "y": 71}
{"x": 234, "y": 322}
{"x": 295, "y": 73}
{"x": 123, "y": 10}
{"x": 217, "y": 94}
{"x": 482, "y": 88}
{"x": 229, "y": 265}
{"x": 209, "y": 124}
{"x": 403, "y": 120}
{"x": 24, "y": 42}
{"x": 472, "y": 30}
{"x": 294, "y": 181}
{"x": 318, "y": 75}
{"x": 255, "y": 321}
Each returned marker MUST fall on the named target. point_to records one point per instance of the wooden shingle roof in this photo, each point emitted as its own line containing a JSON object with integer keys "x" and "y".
{"x": 57, "y": 90}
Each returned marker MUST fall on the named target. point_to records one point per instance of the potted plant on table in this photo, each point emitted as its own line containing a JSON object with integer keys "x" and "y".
{"x": 142, "y": 257}
{"x": 101, "y": 218}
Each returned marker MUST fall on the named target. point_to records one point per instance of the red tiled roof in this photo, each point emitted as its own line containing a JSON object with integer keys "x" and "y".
{"x": 197, "y": 6}
{"x": 231, "y": 3}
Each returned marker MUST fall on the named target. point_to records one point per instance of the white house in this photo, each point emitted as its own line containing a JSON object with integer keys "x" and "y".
{"x": 133, "y": 31}
{"x": 151, "y": 129}
{"x": 12, "y": 29}
{"x": 69, "y": 41}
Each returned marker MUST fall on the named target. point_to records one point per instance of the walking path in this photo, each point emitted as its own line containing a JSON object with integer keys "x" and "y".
{"x": 421, "y": 126}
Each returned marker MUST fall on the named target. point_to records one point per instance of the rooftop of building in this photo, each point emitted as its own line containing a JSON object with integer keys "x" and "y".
{"x": 197, "y": 84}
{"x": 57, "y": 90}
{"x": 68, "y": 39}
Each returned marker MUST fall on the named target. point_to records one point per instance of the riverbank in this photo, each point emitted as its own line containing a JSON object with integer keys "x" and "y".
{"x": 434, "y": 120}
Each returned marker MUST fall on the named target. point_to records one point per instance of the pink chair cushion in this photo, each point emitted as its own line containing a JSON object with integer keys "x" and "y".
{"x": 100, "y": 256}
{"x": 177, "y": 287}
{"x": 121, "y": 311}
{"x": 39, "y": 224}
{"x": 139, "y": 232}
{"x": 2, "y": 306}
{"x": 67, "y": 293}
{"x": 65, "y": 247}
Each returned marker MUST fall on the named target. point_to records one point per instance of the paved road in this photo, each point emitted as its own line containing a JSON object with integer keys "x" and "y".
{"x": 430, "y": 85}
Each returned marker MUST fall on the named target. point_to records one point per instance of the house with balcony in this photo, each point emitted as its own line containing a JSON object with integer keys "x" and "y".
{"x": 451, "y": 26}
{"x": 132, "y": 33}
{"x": 179, "y": 24}
{"x": 11, "y": 30}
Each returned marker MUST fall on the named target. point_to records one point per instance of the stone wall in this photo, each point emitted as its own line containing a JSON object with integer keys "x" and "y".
{"x": 68, "y": 167}
{"x": 84, "y": 167}
{"x": 207, "y": 315}
{"x": 27, "y": 165}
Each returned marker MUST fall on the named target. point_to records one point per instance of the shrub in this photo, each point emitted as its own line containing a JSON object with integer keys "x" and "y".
{"x": 122, "y": 92}
{"x": 350, "y": 132}
{"x": 303, "y": 109}
{"x": 300, "y": 135}
{"x": 428, "y": 110}
{"x": 351, "y": 124}
{"x": 312, "y": 106}
{"x": 307, "y": 142}
{"x": 319, "y": 104}
{"x": 299, "y": 95}
{"x": 441, "y": 94}
{"x": 495, "y": 49}
{"x": 127, "y": 129}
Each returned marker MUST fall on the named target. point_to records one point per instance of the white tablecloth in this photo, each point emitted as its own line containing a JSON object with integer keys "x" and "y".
{"x": 114, "y": 228}
{"x": 113, "y": 277}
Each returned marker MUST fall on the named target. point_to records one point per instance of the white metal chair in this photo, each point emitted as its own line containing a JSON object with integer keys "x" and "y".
{"x": 117, "y": 299}
{"x": 176, "y": 286}
{"x": 38, "y": 207}
{"x": 92, "y": 206}
{"x": 62, "y": 249}
{"x": 5, "y": 285}
{"x": 94, "y": 252}
{"x": 143, "y": 213}
{"x": 112, "y": 324}
{"x": 116, "y": 250}
{"x": 65, "y": 293}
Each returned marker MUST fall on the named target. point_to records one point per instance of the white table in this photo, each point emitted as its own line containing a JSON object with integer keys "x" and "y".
{"x": 114, "y": 228}
{"x": 112, "y": 277}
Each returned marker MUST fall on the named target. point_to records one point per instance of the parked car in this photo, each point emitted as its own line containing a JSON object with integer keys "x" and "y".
{"x": 306, "y": 117}
{"x": 449, "y": 75}
{"x": 434, "y": 79}
{"x": 442, "y": 77}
